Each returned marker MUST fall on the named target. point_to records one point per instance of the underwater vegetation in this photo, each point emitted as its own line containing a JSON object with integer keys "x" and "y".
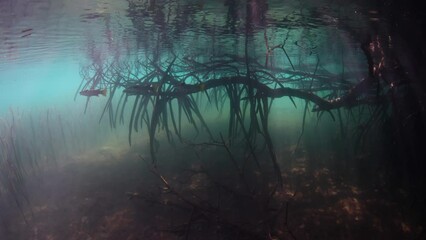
{"x": 157, "y": 93}
{"x": 32, "y": 143}
{"x": 161, "y": 91}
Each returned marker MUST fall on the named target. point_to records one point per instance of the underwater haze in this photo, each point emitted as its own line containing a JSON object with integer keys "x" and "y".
{"x": 192, "y": 119}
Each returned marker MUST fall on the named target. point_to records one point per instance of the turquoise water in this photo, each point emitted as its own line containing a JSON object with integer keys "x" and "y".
{"x": 220, "y": 120}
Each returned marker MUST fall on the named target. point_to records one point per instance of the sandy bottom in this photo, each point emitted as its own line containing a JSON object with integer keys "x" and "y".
{"x": 111, "y": 194}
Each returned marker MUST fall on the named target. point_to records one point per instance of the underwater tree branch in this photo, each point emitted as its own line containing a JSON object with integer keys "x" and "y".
{"x": 262, "y": 90}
